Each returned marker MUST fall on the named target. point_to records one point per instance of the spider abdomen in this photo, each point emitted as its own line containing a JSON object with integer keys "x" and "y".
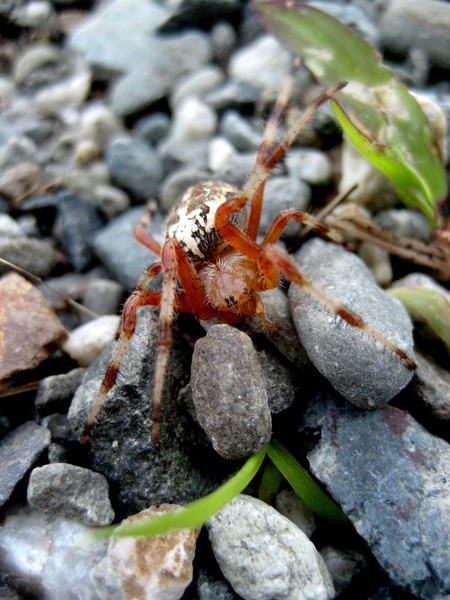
{"x": 192, "y": 220}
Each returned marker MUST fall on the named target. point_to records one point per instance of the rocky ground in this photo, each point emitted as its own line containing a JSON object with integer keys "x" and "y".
{"x": 104, "y": 108}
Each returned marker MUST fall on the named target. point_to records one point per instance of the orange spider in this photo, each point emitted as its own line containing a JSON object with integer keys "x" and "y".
{"x": 214, "y": 268}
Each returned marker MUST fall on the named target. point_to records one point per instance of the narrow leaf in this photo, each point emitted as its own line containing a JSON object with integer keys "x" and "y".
{"x": 193, "y": 514}
{"x": 304, "y": 485}
{"x": 375, "y": 109}
{"x": 270, "y": 483}
{"x": 427, "y": 306}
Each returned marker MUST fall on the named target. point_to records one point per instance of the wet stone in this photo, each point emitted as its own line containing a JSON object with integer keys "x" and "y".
{"x": 71, "y": 492}
{"x": 19, "y": 450}
{"x": 352, "y": 361}
{"x": 229, "y": 392}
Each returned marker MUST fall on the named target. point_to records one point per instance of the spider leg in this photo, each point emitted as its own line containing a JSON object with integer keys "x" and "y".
{"x": 240, "y": 240}
{"x": 279, "y": 223}
{"x": 272, "y": 126}
{"x": 144, "y": 237}
{"x": 292, "y": 272}
{"x": 126, "y": 330}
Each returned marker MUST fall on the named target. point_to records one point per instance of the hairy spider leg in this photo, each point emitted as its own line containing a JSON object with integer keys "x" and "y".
{"x": 241, "y": 240}
{"x": 144, "y": 237}
{"x": 292, "y": 272}
{"x": 272, "y": 126}
{"x": 276, "y": 229}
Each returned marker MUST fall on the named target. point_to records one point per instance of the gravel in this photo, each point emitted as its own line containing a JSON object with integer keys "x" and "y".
{"x": 112, "y": 108}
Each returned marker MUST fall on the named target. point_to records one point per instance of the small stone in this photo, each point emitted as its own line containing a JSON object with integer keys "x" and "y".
{"x": 110, "y": 200}
{"x": 352, "y": 361}
{"x": 31, "y": 332}
{"x": 310, "y": 165}
{"x": 239, "y": 132}
{"x": 282, "y": 193}
{"x": 135, "y": 167}
{"x": 55, "y": 392}
{"x": 197, "y": 84}
{"x": 48, "y": 557}
{"x": 264, "y": 555}
{"x": 432, "y": 386}
{"x": 33, "y": 255}
{"x": 378, "y": 261}
{"x": 235, "y": 414}
{"x": 343, "y": 565}
{"x": 86, "y": 342}
{"x": 19, "y": 181}
{"x": 154, "y": 127}
{"x": 263, "y": 63}
{"x": 408, "y": 24}
{"x": 158, "y": 567}
{"x": 18, "y": 148}
{"x": 293, "y": 508}
{"x": 120, "y": 252}
{"x": 34, "y": 58}
{"x": 99, "y": 124}
{"x": 281, "y": 381}
{"x": 69, "y": 93}
{"x": 9, "y": 227}
{"x": 19, "y": 450}
{"x": 102, "y": 297}
{"x": 220, "y": 151}
{"x": 193, "y": 120}
{"x": 71, "y": 492}
{"x": 176, "y": 184}
{"x": 405, "y": 223}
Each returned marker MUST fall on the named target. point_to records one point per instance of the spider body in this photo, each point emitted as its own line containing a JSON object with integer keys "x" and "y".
{"x": 213, "y": 266}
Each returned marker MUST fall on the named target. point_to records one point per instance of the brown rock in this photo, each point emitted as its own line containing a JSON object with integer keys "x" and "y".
{"x": 29, "y": 329}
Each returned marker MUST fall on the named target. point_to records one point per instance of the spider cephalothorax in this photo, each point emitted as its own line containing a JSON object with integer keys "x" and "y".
{"x": 214, "y": 267}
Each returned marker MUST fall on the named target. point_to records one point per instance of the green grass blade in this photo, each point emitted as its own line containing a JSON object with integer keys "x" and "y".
{"x": 427, "y": 306}
{"x": 193, "y": 514}
{"x": 270, "y": 483}
{"x": 381, "y": 117}
{"x": 304, "y": 485}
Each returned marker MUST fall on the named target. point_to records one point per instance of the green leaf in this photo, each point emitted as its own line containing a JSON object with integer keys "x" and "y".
{"x": 270, "y": 483}
{"x": 304, "y": 485}
{"x": 193, "y": 514}
{"x": 375, "y": 109}
{"x": 427, "y": 306}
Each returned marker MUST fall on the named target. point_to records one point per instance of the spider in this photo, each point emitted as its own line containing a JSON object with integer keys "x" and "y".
{"x": 213, "y": 266}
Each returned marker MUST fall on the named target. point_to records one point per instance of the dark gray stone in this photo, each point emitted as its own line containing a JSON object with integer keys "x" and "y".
{"x": 389, "y": 475}
{"x": 19, "y": 449}
{"x": 36, "y": 256}
{"x": 363, "y": 370}
{"x": 281, "y": 381}
{"x": 120, "y": 444}
{"x": 71, "y": 492}
{"x": 119, "y": 251}
{"x": 55, "y": 392}
{"x": 229, "y": 392}
{"x": 135, "y": 167}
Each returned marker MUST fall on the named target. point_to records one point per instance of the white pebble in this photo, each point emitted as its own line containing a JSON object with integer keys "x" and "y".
{"x": 220, "y": 152}
{"x": 194, "y": 120}
{"x": 86, "y": 342}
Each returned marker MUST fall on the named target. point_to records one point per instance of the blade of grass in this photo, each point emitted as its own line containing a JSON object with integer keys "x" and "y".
{"x": 270, "y": 483}
{"x": 304, "y": 485}
{"x": 193, "y": 514}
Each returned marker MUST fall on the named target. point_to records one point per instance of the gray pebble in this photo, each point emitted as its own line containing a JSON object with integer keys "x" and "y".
{"x": 36, "y": 256}
{"x": 71, "y": 492}
{"x": 177, "y": 183}
{"x": 178, "y": 154}
{"x": 387, "y": 474}
{"x": 102, "y": 296}
{"x": 405, "y": 223}
{"x": 197, "y": 84}
{"x": 408, "y": 24}
{"x": 19, "y": 449}
{"x": 120, "y": 252}
{"x": 229, "y": 392}
{"x": 154, "y": 127}
{"x": 293, "y": 508}
{"x": 343, "y": 565}
{"x": 239, "y": 132}
{"x": 223, "y": 42}
{"x": 432, "y": 386}
{"x": 135, "y": 167}
{"x": 193, "y": 120}
{"x": 281, "y": 193}
{"x": 55, "y": 392}
{"x": 309, "y": 165}
{"x": 281, "y": 381}
{"x": 352, "y": 361}
{"x": 18, "y": 149}
{"x": 233, "y": 94}
{"x": 264, "y": 555}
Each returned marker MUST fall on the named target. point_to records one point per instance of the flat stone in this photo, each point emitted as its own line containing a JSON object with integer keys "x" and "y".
{"x": 19, "y": 449}
{"x": 389, "y": 475}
